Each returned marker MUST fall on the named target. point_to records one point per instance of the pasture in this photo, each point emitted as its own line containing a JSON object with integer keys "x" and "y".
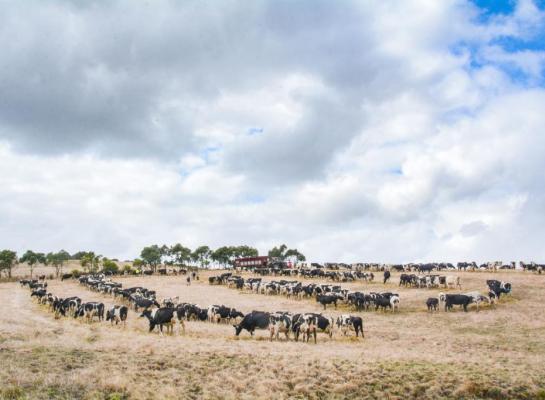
{"x": 494, "y": 353}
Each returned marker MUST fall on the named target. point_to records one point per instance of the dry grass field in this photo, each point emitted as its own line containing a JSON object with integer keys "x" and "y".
{"x": 495, "y": 353}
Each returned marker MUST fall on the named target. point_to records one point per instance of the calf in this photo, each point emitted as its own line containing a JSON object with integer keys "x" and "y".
{"x": 117, "y": 314}
{"x": 432, "y": 303}
{"x": 350, "y": 323}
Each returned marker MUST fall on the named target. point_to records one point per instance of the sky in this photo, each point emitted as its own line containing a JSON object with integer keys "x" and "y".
{"x": 365, "y": 131}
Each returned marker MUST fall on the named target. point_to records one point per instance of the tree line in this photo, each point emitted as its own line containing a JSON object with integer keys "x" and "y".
{"x": 153, "y": 256}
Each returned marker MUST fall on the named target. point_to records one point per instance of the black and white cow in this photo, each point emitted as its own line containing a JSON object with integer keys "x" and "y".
{"x": 280, "y": 322}
{"x": 346, "y": 323}
{"x": 90, "y": 310}
{"x": 499, "y": 287}
{"x": 165, "y": 316}
{"x": 141, "y": 302}
{"x": 117, "y": 314}
{"x": 309, "y": 324}
{"x": 252, "y": 321}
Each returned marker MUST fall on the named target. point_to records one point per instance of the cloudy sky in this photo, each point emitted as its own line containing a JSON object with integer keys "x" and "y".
{"x": 354, "y": 131}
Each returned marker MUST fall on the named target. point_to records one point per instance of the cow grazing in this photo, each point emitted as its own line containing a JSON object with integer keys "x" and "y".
{"x": 309, "y": 324}
{"x": 432, "y": 303}
{"x": 90, "y": 310}
{"x": 162, "y": 317}
{"x": 117, "y": 314}
{"x": 280, "y": 323}
{"x": 326, "y": 299}
{"x": 347, "y": 323}
{"x": 140, "y": 302}
{"x": 252, "y": 321}
{"x": 456, "y": 299}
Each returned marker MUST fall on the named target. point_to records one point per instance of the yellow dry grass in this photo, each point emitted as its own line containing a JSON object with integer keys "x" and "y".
{"x": 496, "y": 353}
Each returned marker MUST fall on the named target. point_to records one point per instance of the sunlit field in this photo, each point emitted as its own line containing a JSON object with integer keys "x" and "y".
{"x": 494, "y": 353}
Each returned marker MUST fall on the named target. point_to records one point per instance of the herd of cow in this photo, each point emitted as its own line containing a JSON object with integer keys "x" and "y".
{"x": 170, "y": 311}
{"x": 326, "y": 294}
{"x": 74, "y": 306}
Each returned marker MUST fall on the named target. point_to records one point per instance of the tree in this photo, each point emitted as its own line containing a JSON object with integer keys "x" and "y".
{"x": 180, "y": 254}
{"x": 90, "y": 262}
{"x": 109, "y": 266}
{"x": 32, "y": 258}
{"x": 152, "y": 256}
{"x": 79, "y": 255}
{"x": 201, "y": 255}
{"x": 282, "y": 253}
{"x": 57, "y": 260}
{"x": 8, "y": 260}
{"x": 222, "y": 255}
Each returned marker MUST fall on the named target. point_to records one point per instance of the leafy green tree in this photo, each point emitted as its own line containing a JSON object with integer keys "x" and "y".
{"x": 32, "y": 258}
{"x": 90, "y": 262}
{"x": 79, "y": 255}
{"x": 109, "y": 266}
{"x": 152, "y": 256}
{"x": 181, "y": 255}
{"x": 201, "y": 255}
{"x": 57, "y": 260}
{"x": 222, "y": 255}
{"x": 8, "y": 260}
{"x": 282, "y": 253}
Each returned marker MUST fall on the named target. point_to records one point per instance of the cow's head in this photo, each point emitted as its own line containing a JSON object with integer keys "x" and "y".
{"x": 238, "y": 329}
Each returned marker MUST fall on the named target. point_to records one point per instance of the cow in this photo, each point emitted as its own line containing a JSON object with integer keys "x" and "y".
{"x": 170, "y": 301}
{"x": 117, "y": 314}
{"x": 280, "y": 323}
{"x": 90, "y": 310}
{"x": 394, "y": 301}
{"x": 452, "y": 281}
{"x": 140, "y": 302}
{"x": 327, "y": 299}
{"x": 252, "y": 321}
{"x": 386, "y": 276}
{"x": 477, "y": 298}
{"x": 432, "y": 303}
{"x": 66, "y": 276}
{"x": 309, "y": 324}
{"x": 347, "y": 323}
{"x": 498, "y": 287}
{"x": 456, "y": 299}
{"x": 162, "y": 316}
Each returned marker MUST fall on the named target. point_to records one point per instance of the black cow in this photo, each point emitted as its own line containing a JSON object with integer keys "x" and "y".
{"x": 325, "y": 299}
{"x": 66, "y": 276}
{"x": 386, "y": 276}
{"x": 457, "y": 299}
{"x": 432, "y": 303}
{"x": 252, "y": 321}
